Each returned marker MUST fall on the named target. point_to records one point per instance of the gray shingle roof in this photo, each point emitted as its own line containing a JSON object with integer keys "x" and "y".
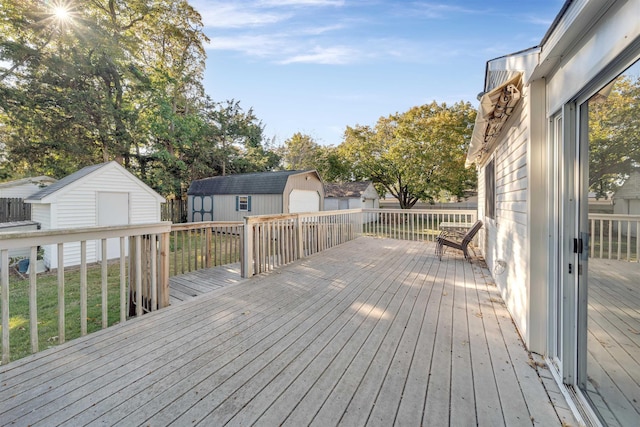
{"x": 243, "y": 184}
{"x": 46, "y": 191}
{"x": 346, "y": 189}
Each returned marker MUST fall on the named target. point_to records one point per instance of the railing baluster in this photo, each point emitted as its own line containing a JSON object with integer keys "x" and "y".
{"x": 123, "y": 280}
{"x": 83, "y": 288}
{"x": 33, "y": 300}
{"x": 61, "y": 303}
{"x": 104, "y": 283}
{"x": 4, "y": 299}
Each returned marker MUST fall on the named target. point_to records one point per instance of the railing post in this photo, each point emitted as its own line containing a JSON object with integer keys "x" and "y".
{"x": 163, "y": 271}
{"x": 247, "y": 269}
{"x": 4, "y": 257}
{"x": 299, "y": 236}
{"x": 209, "y": 240}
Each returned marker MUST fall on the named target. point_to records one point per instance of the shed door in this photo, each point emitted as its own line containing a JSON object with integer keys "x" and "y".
{"x": 113, "y": 209}
{"x": 304, "y": 201}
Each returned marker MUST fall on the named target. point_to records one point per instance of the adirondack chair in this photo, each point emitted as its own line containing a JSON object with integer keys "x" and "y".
{"x": 457, "y": 240}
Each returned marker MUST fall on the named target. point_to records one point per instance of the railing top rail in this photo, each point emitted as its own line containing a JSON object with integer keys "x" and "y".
{"x": 263, "y": 218}
{"x": 429, "y": 211}
{"x": 205, "y": 224}
{"x": 622, "y": 217}
{"x": 21, "y": 239}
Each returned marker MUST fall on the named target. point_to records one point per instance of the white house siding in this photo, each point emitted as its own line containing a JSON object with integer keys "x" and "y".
{"x": 224, "y": 206}
{"x": 20, "y": 191}
{"x": 76, "y": 206}
{"x": 505, "y": 244}
{"x": 300, "y": 182}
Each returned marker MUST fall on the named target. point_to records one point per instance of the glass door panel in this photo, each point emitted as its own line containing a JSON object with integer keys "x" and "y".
{"x": 609, "y": 271}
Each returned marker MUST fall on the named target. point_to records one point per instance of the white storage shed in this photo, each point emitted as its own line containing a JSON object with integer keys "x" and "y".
{"x": 98, "y": 195}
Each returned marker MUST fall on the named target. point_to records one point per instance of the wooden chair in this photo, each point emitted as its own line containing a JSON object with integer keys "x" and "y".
{"x": 457, "y": 240}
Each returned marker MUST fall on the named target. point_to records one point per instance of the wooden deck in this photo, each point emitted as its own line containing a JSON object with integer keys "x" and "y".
{"x": 613, "y": 364}
{"x": 191, "y": 285}
{"x": 372, "y": 332}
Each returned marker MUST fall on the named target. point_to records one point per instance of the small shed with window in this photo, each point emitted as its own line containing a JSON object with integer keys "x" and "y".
{"x": 232, "y": 197}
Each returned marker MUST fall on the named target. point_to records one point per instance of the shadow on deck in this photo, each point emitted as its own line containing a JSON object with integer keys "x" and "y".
{"x": 372, "y": 332}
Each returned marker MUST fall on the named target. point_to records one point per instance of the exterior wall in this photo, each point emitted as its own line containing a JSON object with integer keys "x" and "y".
{"x": 300, "y": 182}
{"x": 21, "y": 191}
{"x": 505, "y": 237}
{"x": 592, "y": 53}
{"x": 77, "y": 206}
{"x": 224, "y": 206}
{"x": 331, "y": 204}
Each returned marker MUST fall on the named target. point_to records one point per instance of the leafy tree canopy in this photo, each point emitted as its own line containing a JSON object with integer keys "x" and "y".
{"x": 614, "y": 135}
{"x": 116, "y": 80}
{"x": 416, "y": 155}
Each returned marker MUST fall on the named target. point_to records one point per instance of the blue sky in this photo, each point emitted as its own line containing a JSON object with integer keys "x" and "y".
{"x": 318, "y": 66}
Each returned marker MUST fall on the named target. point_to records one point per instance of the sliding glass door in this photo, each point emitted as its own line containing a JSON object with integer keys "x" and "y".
{"x": 607, "y": 250}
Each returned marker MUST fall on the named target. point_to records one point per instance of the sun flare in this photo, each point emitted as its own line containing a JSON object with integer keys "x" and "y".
{"x": 61, "y": 12}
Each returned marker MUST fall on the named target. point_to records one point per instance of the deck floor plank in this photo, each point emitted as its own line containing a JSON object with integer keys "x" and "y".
{"x": 488, "y": 406}
{"x": 372, "y": 332}
{"x": 281, "y": 393}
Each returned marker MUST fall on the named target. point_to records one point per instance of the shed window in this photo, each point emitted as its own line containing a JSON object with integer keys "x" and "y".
{"x": 490, "y": 190}
{"x": 243, "y": 203}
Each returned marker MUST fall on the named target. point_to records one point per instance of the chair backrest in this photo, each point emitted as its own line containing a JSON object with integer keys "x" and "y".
{"x": 472, "y": 232}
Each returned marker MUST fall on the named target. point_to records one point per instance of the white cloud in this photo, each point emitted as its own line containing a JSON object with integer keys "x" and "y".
{"x": 281, "y": 3}
{"x": 253, "y": 45}
{"x": 237, "y": 15}
{"x": 336, "y": 55}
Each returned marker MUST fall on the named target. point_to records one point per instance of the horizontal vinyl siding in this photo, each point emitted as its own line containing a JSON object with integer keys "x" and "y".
{"x": 224, "y": 206}
{"x": 21, "y": 191}
{"x": 77, "y": 208}
{"x": 506, "y": 247}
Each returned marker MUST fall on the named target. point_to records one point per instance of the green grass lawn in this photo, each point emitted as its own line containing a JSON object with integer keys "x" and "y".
{"x": 47, "y": 292}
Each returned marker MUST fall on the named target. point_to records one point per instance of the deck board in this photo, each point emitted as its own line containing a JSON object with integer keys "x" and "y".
{"x": 372, "y": 332}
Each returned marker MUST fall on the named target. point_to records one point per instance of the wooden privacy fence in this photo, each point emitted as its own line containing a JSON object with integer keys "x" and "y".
{"x": 147, "y": 278}
{"x": 174, "y": 210}
{"x": 614, "y": 236}
{"x": 198, "y": 245}
{"x": 14, "y": 209}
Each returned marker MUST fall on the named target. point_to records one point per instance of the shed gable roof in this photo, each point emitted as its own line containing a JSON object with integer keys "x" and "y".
{"x": 346, "y": 189}
{"x": 244, "y": 184}
{"x": 69, "y": 180}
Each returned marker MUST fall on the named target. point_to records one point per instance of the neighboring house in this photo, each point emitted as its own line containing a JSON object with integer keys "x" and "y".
{"x": 233, "y": 197}
{"x": 98, "y": 195}
{"x": 13, "y": 193}
{"x": 531, "y": 146}
{"x": 626, "y": 200}
{"x": 350, "y": 195}
{"x": 23, "y": 188}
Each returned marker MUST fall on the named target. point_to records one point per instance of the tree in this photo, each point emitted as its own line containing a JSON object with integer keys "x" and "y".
{"x": 300, "y": 152}
{"x": 88, "y": 87}
{"x": 416, "y": 155}
{"x": 614, "y": 136}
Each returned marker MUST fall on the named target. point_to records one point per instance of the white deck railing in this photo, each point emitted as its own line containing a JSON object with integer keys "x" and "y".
{"x": 147, "y": 277}
{"x": 198, "y": 245}
{"x": 614, "y": 236}
{"x": 274, "y": 240}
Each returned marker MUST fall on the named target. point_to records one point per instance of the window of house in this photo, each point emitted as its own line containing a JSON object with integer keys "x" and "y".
{"x": 490, "y": 190}
{"x": 243, "y": 203}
